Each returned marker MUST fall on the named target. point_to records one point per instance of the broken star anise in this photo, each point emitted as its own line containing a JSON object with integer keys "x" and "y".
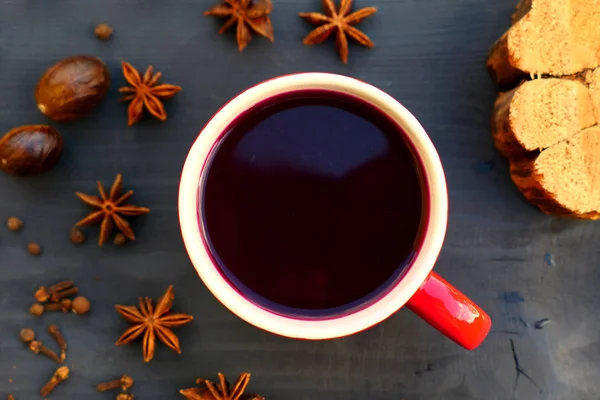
{"x": 152, "y": 323}
{"x": 144, "y": 92}
{"x": 221, "y": 391}
{"x": 341, "y": 22}
{"x": 247, "y": 14}
{"x": 111, "y": 209}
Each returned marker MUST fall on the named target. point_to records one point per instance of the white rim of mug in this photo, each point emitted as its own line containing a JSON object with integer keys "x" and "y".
{"x": 376, "y": 312}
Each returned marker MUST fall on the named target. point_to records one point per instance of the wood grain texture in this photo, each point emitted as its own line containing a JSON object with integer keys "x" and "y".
{"x": 518, "y": 264}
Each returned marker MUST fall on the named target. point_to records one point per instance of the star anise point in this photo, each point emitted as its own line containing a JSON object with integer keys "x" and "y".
{"x": 340, "y": 21}
{"x": 144, "y": 92}
{"x": 208, "y": 390}
{"x": 248, "y": 15}
{"x": 110, "y": 209}
{"x": 152, "y": 322}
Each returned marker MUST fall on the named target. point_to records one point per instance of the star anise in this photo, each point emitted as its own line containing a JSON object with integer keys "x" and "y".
{"x": 153, "y": 323}
{"x": 341, "y": 22}
{"x": 144, "y": 92}
{"x": 247, "y": 14}
{"x": 221, "y": 391}
{"x": 111, "y": 209}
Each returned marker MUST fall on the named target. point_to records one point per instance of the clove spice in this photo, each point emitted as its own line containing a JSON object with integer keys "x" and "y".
{"x": 120, "y": 239}
{"x": 14, "y": 224}
{"x": 77, "y": 236}
{"x": 66, "y": 305}
{"x": 55, "y": 332}
{"x": 125, "y": 382}
{"x": 103, "y": 31}
{"x": 38, "y": 347}
{"x": 43, "y": 294}
{"x": 81, "y": 305}
{"x": 58, "y": 296}
{"x": 36, "y": 309}
{"x": 27, "y": 335}
{"x": 34, "y": 249}
{"x": 60, "y": 375}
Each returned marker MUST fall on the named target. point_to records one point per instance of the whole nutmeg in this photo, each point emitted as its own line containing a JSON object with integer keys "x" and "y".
{"x": 30, "y": 150}
{"x": 72, "y": 88}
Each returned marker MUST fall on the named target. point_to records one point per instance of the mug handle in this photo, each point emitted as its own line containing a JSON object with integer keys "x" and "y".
{"x": 449, "y": 311}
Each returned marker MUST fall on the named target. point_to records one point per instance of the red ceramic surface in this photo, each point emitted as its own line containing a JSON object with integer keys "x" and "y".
{"x": 450, "y": 312}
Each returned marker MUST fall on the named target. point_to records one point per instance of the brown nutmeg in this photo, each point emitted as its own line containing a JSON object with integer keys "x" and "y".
{"x": 72, "y": 88}
{"x": 30, "y": 150}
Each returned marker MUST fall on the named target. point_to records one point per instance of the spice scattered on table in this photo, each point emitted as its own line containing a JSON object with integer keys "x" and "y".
{"x": 36, "y": 309}
{"x": 30, "y": 150}
{"x": 77, "y": 236}
{"x": 14, "y": 224}
{"x": 27, "y": 335}
{"x": 151, "y": 323}
{"x": 247, "y": 15}
{"x": 72, "y": 88}
{"x": 341, "y": 22}
{"x": 55, "y": 332}
{"x": 57, "y": 298}
{"x": 81, "y": 305}
{"x": 120, "y": 239}
{"x": 44, "y": 293}
{"x": 111, "y": 208}
{"x": 103, "y": 31}
{"x": 222, "y": 390}
{"x": 38, "y": 347}
{"x": 125, "y": 396}
{"x": 60, "y": 375}
{"x": 10, "y": 397}
{"x": 144, "y": 92}
{"x": 66, "y": 305}
{"x": 125, "y": 382}
{"x": 34, "y": 249}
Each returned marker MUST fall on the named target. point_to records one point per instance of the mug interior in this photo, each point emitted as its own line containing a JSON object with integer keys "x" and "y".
{"x": 312, "y": 324}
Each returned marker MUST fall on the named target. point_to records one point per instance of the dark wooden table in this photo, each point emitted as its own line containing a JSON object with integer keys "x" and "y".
{"x": 518, "y": 264}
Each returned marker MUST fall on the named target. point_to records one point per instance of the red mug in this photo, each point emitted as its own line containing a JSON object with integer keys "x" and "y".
{"x": 420, "y": 289}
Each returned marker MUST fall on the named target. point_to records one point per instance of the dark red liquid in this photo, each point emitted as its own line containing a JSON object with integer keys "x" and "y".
{"x": 313, "y": 201}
